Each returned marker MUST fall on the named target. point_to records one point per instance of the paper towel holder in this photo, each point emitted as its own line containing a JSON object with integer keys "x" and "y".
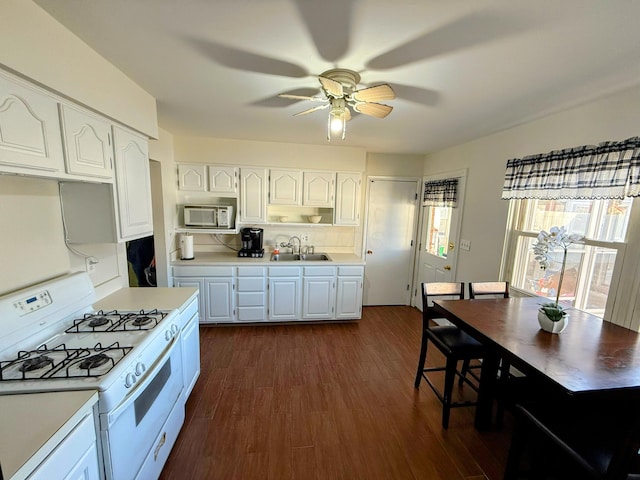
{"x": 186, "y": 247}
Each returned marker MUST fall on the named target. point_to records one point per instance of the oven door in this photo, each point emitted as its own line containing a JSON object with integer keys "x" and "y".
{"x": 133, "y": 431}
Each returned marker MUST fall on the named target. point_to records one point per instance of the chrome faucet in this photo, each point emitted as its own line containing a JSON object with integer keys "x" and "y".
{"x": 291, "y": 245}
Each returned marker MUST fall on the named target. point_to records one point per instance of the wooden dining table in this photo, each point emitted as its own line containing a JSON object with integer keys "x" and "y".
{"x": 590, "y": 357}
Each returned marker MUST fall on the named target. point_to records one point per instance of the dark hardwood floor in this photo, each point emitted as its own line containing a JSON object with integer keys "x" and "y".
{"x": 330, "y": 401}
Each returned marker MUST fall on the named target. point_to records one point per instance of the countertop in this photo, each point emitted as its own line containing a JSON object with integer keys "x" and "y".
{"x": 34, "y": 424}
{"x": 224, "y": 258}
{"x": 136, "y": 298}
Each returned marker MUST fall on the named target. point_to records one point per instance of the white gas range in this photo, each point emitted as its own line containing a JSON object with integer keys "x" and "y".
{"x": 52, "y": 340}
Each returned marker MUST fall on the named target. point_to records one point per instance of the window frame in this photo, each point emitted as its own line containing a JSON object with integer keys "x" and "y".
{"x": 623, "y": 301}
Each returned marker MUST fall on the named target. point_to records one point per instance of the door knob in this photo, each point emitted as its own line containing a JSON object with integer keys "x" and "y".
{"x": 369, "y": 252}
{"x": 451, "y": 245}
{"x": 447, "y": 267}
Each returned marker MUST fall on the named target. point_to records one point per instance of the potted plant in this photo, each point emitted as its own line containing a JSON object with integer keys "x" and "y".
{"x": 551, "y": 315}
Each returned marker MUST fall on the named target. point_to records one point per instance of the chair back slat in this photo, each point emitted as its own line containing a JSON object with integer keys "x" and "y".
{"x": 442, "y": 291}
{"x": 493, "y": 289}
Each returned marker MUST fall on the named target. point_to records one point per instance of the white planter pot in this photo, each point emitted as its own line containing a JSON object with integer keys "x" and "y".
{"x": 550, "y": 326}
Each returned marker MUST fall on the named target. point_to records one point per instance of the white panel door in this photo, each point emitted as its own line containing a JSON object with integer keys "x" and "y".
{"x": 133, "y": 184}
{"x": 285, "y": 187}
{"x": 319, "y": 188}
{"x": 284, "y": 298}
{"x": 253, "y": 195}
{"x": 223, "y": 179}
{"x": 348, "y": 186}
{"x": 391, "y": 226}
{"x": 349, "y": 297}
{"x": 192, "y": 178}
{"x": 87, "y": 143}
{"x": 29, "y": 128}
{"x": 219, "y": 299}
{"x": 318, "y": 298}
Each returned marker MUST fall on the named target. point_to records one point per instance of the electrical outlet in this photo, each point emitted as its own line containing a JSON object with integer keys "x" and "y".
{"x": 465, "y": 245}
{"x": 304, "y": 237}
{"x": 90, "y": 264}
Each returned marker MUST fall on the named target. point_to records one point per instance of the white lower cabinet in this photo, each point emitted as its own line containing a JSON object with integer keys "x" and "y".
{"x": 190, "y": 338}
{"x": 75, "y": 458}
{"x": 349, "y": 292}
{"x": 281, "y": 293}
{"x": 219, "y": 293}
{"x": 284, "y": 293}
{"x": 318, "y": 293}
{"x": 251, "y": 294}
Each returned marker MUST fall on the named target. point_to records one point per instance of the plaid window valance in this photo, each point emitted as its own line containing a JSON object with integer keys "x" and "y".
{"x": 441, "y": 193}
{"x": 609, "y": 170}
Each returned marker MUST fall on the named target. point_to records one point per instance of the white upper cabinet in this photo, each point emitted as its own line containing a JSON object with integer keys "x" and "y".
{"x": 319, "y": 188}
{"x": 348, "y": 186}
{"x": 192, "y": 178}
{"x": 133, "y": 184}
{"x": 29, "y": 127}
{"x": 223, "y": 179}
{"x": 87, "y": 143}
{"x": 285, "y": 187}
{"x": 253, "y": 195}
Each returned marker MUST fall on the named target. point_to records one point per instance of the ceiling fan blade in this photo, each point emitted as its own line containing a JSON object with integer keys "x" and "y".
{"x": 311, "y": 110}
{"x": 374, "y": 94}
{"x": 378, "y": 110}
{"x": 302, "y": 97}
{"x": 347, "y": 114}
{"x": 332, "y": 87}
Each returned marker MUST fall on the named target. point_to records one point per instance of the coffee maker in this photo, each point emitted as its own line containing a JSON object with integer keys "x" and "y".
{"x": 251, "y": 238}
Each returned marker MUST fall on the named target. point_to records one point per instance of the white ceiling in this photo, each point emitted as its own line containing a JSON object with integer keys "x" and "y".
{"x": 461, "y": 69}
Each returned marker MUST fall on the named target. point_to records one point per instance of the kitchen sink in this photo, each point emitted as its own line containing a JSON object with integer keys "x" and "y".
{"x": 306, "y": 257}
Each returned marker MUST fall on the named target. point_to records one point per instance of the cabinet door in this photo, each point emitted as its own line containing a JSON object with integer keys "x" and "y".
{"x": 223, "y": 179}
{"x": 29, "y": 128}
{"x": 190, "y": 356}
{"x": 319, "y": 188}
{"x": 198, "y": 283}
{"x": 285, "y": 187}
{"x": 133, "y": 184}
{"x": 192, "y": 178}
{"x": 318, "y": 298}
{"x": 219, "y": 298}
{"x": 87, "y": 143}
{"x": 284, "y": 298}
{"x": 349, "y": 297}
{"x": 348, "y": 186}
{"x": 253, "y": 195}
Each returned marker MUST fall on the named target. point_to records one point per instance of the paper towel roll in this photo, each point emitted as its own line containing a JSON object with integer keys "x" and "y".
{"x": 187, "y": 247}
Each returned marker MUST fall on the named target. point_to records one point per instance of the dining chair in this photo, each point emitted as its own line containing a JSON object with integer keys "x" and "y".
{"x": 495, "y": 290}
{"x": 575, "y": 442}
{"x": 454, "y": 344}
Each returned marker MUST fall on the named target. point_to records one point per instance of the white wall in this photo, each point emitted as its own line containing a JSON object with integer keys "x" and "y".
{"x": 615, "y": 117}
{"x": 39, "y": 48}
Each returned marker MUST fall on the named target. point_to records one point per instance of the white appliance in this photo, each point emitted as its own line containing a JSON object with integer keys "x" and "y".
{"x": 208, "y": 216}
{"x": 52, "y": 340}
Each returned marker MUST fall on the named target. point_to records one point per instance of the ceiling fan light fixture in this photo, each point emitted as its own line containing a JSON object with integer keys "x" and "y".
{"x": 337, "y": 122}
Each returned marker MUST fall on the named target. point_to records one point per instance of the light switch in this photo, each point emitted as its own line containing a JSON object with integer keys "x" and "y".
{"x": 465, "y": 245}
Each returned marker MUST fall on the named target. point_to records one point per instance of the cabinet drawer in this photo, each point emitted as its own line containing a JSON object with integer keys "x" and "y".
{"x": 251, "y": 271}
{"x": 251, "y": 314}
{"x": 202, "y": 271}
{"x": 351, "y": 270}
{"x": 251, "y": 284}
{"x": 251, "y": 299}
{"x": 284, "y": 271}
{"x": 319, "y": 271}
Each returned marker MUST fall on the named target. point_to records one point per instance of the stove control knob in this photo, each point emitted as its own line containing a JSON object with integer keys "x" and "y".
{"x": 140, "y": 368}
{"x": 174, "y": 329}
{"x": 130, "y": 380}
{"x": 167, "y": 335}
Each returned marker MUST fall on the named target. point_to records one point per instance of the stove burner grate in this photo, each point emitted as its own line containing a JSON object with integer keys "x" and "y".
{"x": 114, "y": 321}
{"x": 61, "y": 362}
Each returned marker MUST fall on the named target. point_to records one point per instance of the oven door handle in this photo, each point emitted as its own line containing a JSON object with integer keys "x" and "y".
{"x": 112, "y": 416}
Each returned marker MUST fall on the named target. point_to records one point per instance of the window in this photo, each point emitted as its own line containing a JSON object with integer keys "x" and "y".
{"x": 438, "y": 228}
{"x": 592, "y": 267}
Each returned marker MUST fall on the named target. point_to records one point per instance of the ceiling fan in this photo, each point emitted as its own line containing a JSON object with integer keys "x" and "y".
{"x": 340, "y": 94}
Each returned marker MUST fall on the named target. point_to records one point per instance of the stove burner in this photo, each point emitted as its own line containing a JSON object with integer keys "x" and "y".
{"x": 98, "y": 321}
{"x": 141, "y": 320}
{"x": 94, "y": 361}
{"x": 31, "y": 364}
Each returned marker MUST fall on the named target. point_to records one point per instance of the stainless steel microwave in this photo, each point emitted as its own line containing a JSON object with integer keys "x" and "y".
{"x": 208, "y": 216}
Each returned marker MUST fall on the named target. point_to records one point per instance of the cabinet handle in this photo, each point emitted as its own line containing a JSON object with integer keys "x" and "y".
{"x": 160, "y": 444}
